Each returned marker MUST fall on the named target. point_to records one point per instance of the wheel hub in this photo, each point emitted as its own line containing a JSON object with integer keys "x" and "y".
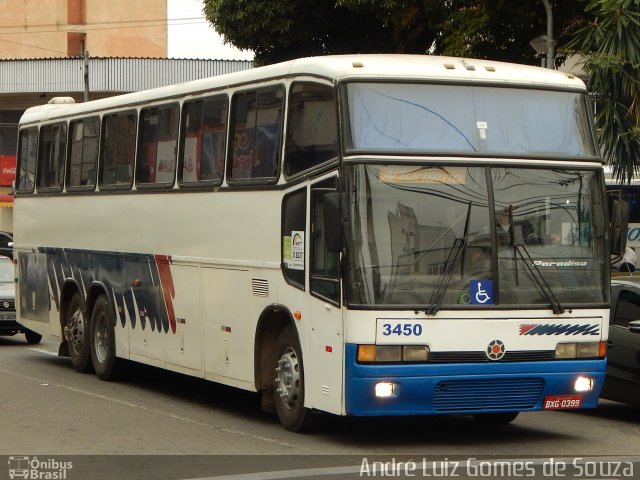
{"x": 74, "y": 331}
{"x": 288, "y": 378}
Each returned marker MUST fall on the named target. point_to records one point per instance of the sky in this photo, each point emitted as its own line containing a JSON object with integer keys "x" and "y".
{"x": 191, "y": 36}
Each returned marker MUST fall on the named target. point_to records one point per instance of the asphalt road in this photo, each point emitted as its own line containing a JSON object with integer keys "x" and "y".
{"x": 158, "y": 424}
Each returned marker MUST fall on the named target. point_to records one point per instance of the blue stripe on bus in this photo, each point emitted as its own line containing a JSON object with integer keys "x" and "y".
{"x": 468, "y": 388}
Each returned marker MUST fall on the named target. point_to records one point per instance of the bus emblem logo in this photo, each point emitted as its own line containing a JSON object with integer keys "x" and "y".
{"x": 495, "y": 350}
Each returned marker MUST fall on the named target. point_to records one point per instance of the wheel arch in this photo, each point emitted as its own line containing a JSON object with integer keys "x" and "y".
{"x": 273, "y": 320}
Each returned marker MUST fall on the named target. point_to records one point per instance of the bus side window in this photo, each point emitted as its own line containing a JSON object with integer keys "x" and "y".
{"x": 324, "y": 265}
{"x": 312, "y": 130}
{"x": 118, "y": 149}
{"x": 83, "y": 154}
{"x": 27, "y": 155}
{"x": 157, "y": 148}
{"x": 204, "y": 132}
{"x": 51, "y": 156}
{"x": 292, "y": 234}
{"x": 257, "y": 132}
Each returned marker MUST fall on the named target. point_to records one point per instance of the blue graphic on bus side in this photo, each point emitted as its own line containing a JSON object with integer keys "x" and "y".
{"x": 481, "y": 292}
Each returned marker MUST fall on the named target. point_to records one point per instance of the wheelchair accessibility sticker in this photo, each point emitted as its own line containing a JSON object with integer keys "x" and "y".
{"x": 481, "y": 292}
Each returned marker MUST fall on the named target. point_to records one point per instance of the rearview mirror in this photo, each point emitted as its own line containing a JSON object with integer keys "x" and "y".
{"x": 619, "y": 224}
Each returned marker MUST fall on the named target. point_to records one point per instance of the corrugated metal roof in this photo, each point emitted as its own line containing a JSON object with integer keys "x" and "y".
{"x": 107, "y": 74}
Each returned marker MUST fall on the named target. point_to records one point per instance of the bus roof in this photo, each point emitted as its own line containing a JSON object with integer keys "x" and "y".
{"x": 335, "y": 68}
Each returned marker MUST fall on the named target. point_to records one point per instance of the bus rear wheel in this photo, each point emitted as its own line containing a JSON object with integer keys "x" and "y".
{"x": 76, "y": 332}
{"x": 288, "y": 385}
{"x": 103, "y": 341}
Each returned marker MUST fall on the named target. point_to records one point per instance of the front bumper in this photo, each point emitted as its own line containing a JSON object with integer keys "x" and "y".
{"x": 465, "y": 388}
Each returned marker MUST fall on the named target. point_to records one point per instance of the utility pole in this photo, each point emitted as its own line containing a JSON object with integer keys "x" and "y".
{"x": 551, "y": 61}
{"x": 85, "y": 58}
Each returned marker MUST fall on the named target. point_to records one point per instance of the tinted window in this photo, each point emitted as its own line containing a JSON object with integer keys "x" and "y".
{"x": 53, "y": 142}
{"x": 312, "y": 132}
{"x": 118, "y": 150}
{"x": 294, "y": 214}
{"x": 156, "y": 163}
{"x": 27, "y": 155}
{"x": 325, "y": 265}
{"x": 83, "y": 154}
{"x": 257, "y": 129}
{"x": 628, "y": 308}
{"x": 204, "y": 123}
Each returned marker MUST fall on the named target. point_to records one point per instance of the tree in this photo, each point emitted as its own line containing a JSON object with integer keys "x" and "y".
{"x": 502, "y": 29}
{"x": 278, "y": 30}
{"x": 609, "y": 42}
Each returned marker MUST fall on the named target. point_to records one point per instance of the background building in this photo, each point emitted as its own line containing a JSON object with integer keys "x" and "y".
{"x": 42, "y": 43}
{"x": 59, "y": 28}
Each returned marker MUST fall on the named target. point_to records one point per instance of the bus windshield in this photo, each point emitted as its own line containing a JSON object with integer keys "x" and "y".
{"x": 475, "y": 120}
{"x": 432, "y": 235}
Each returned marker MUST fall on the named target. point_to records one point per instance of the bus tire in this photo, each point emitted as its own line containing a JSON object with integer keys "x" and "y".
{"x": 32, "y": 337}
{"x": 288, "y": 385}
{"x": 103, "y": 341}
{"x": 76, "y": 332}
{"x": 495, "y": 418}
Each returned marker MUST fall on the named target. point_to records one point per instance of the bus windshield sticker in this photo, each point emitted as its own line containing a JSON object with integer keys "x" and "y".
{"x": 482, "y": 130}
{"x": 296, "y": 261}
{"x": 412, "y": 174}
{"x": 481, "y": 292}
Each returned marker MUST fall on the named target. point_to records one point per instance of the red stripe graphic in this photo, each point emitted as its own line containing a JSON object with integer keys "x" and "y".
{"x": 168, "y": 290}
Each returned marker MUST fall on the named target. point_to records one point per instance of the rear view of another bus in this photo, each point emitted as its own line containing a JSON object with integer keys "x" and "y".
{"x": 630, "y": 193}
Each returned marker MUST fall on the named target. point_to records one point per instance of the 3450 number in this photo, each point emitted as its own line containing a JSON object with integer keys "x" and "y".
{"x": 402, "y": 329}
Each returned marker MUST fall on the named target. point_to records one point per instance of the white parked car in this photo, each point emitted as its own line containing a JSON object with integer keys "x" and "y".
{"x": 8, "y": 322}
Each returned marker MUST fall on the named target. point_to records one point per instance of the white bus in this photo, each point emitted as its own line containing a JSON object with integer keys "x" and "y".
{"x": 361, "y": 235}
{"x": 628, "y": 192}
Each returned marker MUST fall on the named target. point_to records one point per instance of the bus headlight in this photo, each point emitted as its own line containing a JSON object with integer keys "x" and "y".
{"x": 581, "y": 350}
{"x": 392, "y": 353}
{"x": 386, "y": 390}
{"x": 584, "y": 384}
{"x": 415, "y": 353}
{"x": 388, "y": 353}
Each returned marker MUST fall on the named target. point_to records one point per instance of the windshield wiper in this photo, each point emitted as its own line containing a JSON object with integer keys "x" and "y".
{"x": 539, "y": 279}
{"x": 451, "y": 263}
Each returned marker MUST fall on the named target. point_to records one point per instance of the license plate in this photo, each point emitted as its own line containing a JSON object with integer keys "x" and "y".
{"x": 554, "y": 402}
{"x": 7, "y": 316}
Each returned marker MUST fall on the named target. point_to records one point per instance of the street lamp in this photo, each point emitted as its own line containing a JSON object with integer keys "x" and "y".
{"x": 539, "y": 44}
{"x": 544, "y": 44}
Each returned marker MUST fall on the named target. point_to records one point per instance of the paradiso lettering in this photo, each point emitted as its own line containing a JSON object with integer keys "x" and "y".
{"x": 554, "y": 263}
{"x": 553, "y": 329}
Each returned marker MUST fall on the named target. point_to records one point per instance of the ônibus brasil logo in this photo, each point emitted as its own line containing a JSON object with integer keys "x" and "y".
{"x": 36, "y": 469}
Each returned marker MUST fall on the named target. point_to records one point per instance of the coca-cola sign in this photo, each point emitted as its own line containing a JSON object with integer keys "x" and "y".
{"x": 7, "y": 170}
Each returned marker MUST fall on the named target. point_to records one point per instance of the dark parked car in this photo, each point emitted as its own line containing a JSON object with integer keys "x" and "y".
{"x": 623, "y": 349}
{"x": 8, "y": 321}
{"x": 6, "y": 244}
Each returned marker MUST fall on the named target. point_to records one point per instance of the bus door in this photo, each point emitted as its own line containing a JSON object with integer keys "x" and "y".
{"x": 326, "y": 338}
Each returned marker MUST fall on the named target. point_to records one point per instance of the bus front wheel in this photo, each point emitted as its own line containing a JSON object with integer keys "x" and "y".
{"x": 76, "y": 332}
{"x": 103, "y": 342}
{"x": 502, "y": 418}
{"x": 288, "y": 385}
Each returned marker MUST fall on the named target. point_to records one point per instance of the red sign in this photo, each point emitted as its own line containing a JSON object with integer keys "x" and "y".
{"x": 7, "y": 170}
